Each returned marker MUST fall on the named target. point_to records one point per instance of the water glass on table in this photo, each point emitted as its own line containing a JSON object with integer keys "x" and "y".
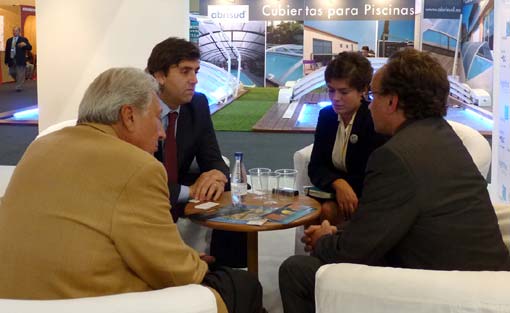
{"x": 259, "y": 181}
{"x": 272, "y": 184}
{"x": 286, "y": 183}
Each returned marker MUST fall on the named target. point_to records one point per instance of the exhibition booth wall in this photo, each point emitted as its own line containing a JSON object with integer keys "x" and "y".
{"x": 77, "y": 41}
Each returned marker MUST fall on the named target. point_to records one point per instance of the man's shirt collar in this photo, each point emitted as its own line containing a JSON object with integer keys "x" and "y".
{"x": 165, "y": 109}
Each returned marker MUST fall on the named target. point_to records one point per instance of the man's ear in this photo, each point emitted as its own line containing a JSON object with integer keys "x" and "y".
{"x": 160, "y": 77}
{"x": 127, "y": 116}
{"x": 393, "y": 103}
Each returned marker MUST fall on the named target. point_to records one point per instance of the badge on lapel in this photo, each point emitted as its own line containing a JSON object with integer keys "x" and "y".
{"x": 354, "y": 138}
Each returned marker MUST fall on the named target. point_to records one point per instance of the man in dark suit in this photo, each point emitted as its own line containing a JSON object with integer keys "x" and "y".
{"x": 425, "y": 205}
{"x": 15, "y": 56}
{"x": 174, "y": 63}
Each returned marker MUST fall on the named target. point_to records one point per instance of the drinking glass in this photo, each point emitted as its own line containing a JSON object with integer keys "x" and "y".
{"x": 259, "y": 181}
{"x": 272, "y": 184}
{"x": 287, "y": 184}
{"x": 287, "y": 178}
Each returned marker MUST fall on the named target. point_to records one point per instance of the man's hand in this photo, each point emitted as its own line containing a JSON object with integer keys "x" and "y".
{"x": 345, "y": 197}
{"x": 207, "y": 258}
{"x": 21, "y": 45}
{"x": 314, "y": 232}
{"x": 209, "y": 186}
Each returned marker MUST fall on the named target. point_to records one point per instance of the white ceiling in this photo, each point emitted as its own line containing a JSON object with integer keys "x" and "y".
{"x": 17, "y": 2}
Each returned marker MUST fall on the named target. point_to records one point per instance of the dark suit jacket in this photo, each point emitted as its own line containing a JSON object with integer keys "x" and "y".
{"x": 195, "y": 139}
{"x": 20, "y": 57}
{"x": 321, "y": 170}
{"x": 425, "y": 205}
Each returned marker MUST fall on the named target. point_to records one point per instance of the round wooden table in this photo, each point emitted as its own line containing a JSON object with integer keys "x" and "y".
{"x": 252, "y": 230}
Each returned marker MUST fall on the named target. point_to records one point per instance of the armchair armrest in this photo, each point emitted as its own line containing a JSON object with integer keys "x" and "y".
{"x": 354, "y": 288}
{"x": 182, "y": 299}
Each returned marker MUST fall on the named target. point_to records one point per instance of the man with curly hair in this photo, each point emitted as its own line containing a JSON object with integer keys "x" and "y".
{"x": 425, "y": 205}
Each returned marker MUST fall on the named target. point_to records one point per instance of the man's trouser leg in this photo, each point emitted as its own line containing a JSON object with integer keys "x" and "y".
{"x": 297, "y": 283}
{"x": 20, "y": 76}
{"x": 230, "y": 248}
{"x": 13, "y": 71}
{"x": 240, "y": 290}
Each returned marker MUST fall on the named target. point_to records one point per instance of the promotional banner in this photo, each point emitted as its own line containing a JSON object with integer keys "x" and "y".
{"x": 444, "y": 9}
{"x": 302, "y": 10}
{"x": 501, "y": 134}
{"x": 284, "y": 52}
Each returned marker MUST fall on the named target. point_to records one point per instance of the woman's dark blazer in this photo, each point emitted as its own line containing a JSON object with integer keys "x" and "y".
{"x": 362, "y": 141}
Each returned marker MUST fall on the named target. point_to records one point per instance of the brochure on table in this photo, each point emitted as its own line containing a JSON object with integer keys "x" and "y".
{"x": 248, "y": 213}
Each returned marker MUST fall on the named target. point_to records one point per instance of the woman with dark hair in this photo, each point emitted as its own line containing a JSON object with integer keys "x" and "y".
{"x": 345, "y": 136}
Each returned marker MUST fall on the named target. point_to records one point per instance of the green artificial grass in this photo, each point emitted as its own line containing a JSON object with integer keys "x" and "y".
{"x": 245, "y": 111}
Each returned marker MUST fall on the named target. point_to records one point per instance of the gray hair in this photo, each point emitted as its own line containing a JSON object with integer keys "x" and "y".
{"x": 111, "y": 90}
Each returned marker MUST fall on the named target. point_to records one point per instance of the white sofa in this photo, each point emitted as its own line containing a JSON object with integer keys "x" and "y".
{"x": 183, "y": 299}
{"x": 354, "y": 288}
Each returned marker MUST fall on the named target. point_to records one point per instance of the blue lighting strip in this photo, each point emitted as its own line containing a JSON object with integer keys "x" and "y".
{"x": 27, "y": 114}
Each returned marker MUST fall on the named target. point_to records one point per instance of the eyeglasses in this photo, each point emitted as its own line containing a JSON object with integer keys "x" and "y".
{"x": 371, "y": 94}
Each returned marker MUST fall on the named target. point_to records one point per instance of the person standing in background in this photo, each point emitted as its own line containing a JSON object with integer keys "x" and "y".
{"x": 365, "y": 51}
{"x": 15, "y": 56}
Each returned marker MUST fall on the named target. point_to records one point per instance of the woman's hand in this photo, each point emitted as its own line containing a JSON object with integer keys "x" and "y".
{"x": 345, "y": 197}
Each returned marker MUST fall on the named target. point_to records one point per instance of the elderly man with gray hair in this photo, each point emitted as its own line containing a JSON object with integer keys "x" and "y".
{"x": 88, "y": 210}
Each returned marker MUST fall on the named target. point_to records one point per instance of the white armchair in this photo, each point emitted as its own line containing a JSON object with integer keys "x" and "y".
{"x": 183, "y": 299}
{"x": 360, "y": 288}
{"x": 354, "y": 288}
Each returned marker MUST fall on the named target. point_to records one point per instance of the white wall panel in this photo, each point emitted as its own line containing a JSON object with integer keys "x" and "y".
{"x": 79, "y": 39}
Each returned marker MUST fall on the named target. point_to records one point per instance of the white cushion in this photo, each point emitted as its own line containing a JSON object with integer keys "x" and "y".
{"x": 503, "y": 213}
{"x": 353, "y": 288}
{"x": 5, "y": 177}
{"x": 301, "y": 161}
{"x": 477, "y": 146}
{"x": 184, "y": 299}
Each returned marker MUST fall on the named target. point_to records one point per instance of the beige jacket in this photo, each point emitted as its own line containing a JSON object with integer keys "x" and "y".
{"x": 87, "y": 214}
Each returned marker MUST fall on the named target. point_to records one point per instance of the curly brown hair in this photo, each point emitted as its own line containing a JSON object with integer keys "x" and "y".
{"x": 420, "y": 82}
{"x": 353, "y": 67}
